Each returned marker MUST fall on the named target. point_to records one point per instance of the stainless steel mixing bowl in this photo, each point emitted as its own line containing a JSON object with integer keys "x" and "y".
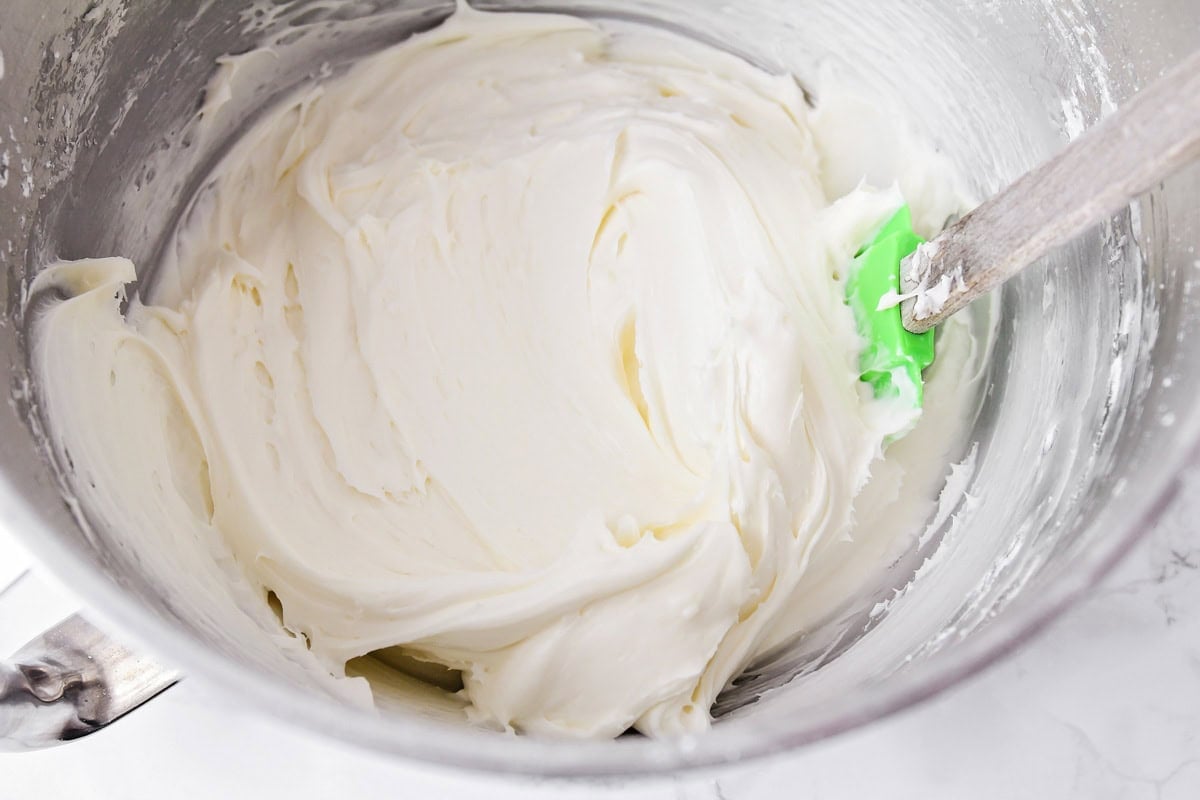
{"x": 1090, "y": 411}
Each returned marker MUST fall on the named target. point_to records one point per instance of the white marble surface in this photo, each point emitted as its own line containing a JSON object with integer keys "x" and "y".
{"x": 1104, "y": 704}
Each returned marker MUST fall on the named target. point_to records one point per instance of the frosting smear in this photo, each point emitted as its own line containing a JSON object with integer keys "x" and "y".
{"x": 521, "y": 346}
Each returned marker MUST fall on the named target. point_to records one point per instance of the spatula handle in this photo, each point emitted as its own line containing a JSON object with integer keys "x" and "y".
{"x": 1155, "y": 134}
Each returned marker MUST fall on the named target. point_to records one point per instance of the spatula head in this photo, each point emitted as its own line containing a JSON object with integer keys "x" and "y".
{"x": 892, "y": 359}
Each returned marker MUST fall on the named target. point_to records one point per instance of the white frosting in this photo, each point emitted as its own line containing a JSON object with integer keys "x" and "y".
{"x": 521, "y": 345}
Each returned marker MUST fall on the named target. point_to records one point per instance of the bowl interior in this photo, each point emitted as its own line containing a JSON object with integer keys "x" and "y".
{"x": 1086, "y": 418}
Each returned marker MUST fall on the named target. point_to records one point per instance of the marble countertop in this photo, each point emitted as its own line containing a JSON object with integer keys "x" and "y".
{"x": 1104, "y": 704}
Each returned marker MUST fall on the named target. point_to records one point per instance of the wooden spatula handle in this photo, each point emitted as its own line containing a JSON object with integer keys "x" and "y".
{"x": 1155, "y": 134}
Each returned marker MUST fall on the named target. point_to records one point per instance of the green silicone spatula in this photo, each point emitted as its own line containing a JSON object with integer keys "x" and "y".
{"x": 892, "y": 358}
{"x": 1130, "y": 151}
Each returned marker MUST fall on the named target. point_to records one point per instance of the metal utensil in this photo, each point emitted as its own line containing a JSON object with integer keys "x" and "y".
{"x": 70, "y": 681}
